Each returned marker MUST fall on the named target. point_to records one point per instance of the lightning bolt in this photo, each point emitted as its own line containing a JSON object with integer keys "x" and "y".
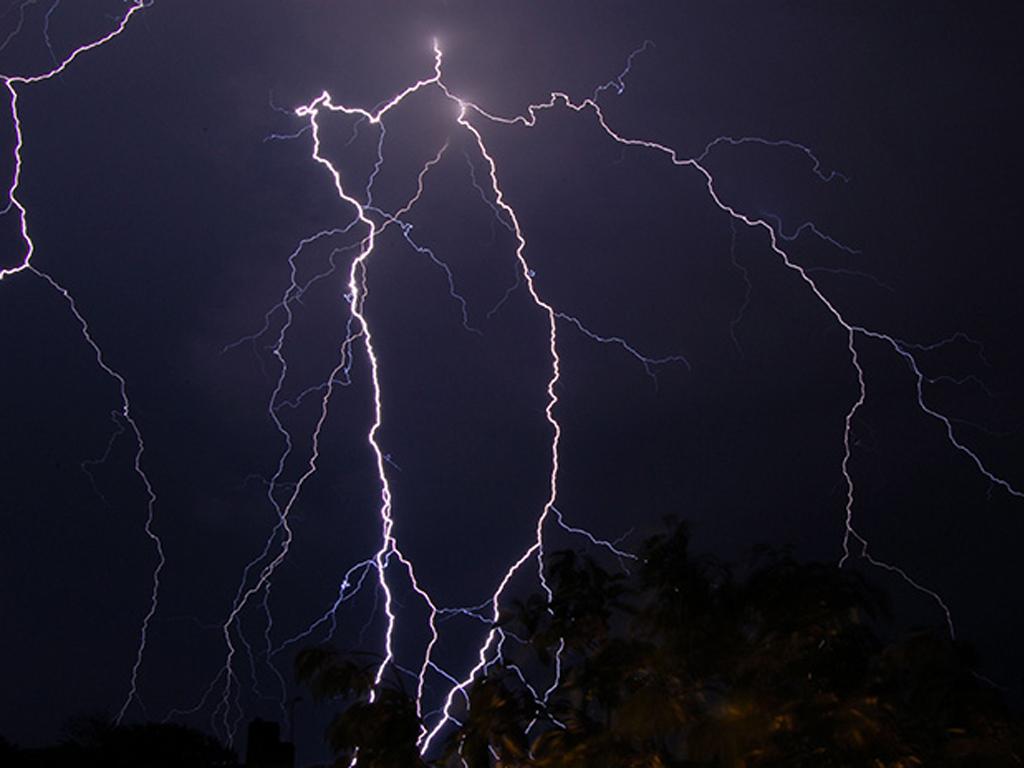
{"x": 388, "y": 564}
{"x": 373, "y": 221}
{"x": 25, "y": 266}
{"x": 468, "y": 115}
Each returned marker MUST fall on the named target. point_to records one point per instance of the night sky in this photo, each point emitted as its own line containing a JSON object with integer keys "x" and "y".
{"x": 156, "y": 198}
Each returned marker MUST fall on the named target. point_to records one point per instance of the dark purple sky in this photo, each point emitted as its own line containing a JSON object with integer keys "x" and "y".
{"x": 155, "y": 199}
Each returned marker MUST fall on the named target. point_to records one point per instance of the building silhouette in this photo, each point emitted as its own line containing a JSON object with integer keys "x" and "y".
{"x": 264, "y": 748}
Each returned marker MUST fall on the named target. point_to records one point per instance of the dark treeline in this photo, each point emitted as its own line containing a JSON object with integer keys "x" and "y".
{"x": 673, "y": 661}
{"x": 95, "y": 742}
{"x": 682, "y": 662}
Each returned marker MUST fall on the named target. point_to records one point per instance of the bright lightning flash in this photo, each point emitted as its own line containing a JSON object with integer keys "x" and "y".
{"x": 388, "y": 562}
{"x": 373, "y": 221}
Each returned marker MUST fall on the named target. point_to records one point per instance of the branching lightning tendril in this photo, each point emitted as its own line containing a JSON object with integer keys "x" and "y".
{"x": 12, "y": 83}
{"x": 380, "y": 569}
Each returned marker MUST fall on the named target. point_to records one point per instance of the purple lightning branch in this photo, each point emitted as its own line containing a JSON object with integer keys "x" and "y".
{"x": 388, "y": 565}
{"x": 492, "y": 192}
{"x": 366, "y": 215}
{"x": 12, "y": 83}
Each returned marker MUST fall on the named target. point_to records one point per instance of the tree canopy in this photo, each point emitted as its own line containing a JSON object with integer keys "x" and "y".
{"x": 680, "y": 663}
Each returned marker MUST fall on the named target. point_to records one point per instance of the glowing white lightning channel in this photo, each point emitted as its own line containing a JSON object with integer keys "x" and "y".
{"x": 495, "y": 637}
{"x": 12, "y": 83}
{"x": 491, "y": 649}
{"x": 357, "y": 275}
{"x": 283, "y": 495}
{"x": 359, "y": 330}
{"x": 356, "y": 296}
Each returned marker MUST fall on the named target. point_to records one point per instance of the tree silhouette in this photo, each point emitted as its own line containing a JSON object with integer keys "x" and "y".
{"x": 681, "y": 663}
{"x": 95, "y": 742}
{"x": 383, "y": 730}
